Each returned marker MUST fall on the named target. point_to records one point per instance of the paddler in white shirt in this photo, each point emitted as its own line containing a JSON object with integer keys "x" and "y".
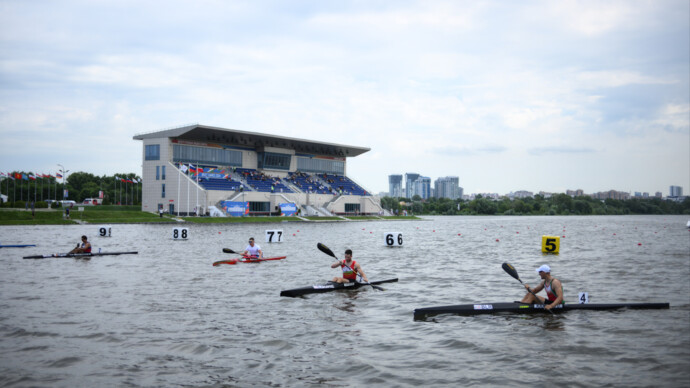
{"x": 252, "y": 250}
{"x": 350, "y": 269}
{"x": 552, "y": 286}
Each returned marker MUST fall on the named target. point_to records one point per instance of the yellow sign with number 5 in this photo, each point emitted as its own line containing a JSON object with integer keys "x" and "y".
{"x": 550, "y": 244}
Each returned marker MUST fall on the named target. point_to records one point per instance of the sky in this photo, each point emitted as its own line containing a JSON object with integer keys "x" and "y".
{"x": 506, "y": 95}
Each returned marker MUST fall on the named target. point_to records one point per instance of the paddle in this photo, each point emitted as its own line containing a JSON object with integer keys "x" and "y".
{"x": 329, "y": 252}
{"x": 513, "y": 272}
{"x": 233, "y": 261}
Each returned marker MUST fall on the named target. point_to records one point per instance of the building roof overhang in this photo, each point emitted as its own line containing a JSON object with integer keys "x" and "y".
{"x": 233, "y": 137}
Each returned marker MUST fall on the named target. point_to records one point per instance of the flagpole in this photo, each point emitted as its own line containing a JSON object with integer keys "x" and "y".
{"x": 177, "y": 205}
{"x": 197, "y": 188}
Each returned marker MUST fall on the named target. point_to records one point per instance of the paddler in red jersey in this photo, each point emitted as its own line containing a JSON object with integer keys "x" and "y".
{"x": 552, "y": 286}
{"x": 84, "y": 248}
{"x": 350, "y": 268}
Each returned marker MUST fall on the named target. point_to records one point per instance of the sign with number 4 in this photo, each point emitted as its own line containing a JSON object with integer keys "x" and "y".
{"x": 583, "y": 297}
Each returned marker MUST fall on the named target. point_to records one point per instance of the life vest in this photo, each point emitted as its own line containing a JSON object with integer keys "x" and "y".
{"x": 349, "y": 272}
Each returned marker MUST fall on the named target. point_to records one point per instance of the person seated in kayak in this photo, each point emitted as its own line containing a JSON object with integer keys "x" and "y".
{"x": 84, "y": 248}
{"x": 253, "y": 251}
{"x": 552, "y": 286}
{"x": 350, "y": 269}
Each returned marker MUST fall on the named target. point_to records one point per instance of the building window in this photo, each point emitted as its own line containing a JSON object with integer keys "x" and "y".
{"x": 317, "y": 165}
{"x": 158, "y": 172}
{"x": 213, "y": 156}
{"x": 163, "y": 172}
{"x": 163, "y": 190}
{"x": 272, "y": 160}
{"x": 351, "y": 208}
{"x": 153, "y": 152}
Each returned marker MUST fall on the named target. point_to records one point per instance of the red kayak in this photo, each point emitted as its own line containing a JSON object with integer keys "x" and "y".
{"x": 247, "y": 259}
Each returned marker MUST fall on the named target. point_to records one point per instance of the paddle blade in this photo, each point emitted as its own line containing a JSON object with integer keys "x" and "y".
{"x": 228, "y": 250}
{"x": 511, "y": 271}
{"x": 325, "y": 249}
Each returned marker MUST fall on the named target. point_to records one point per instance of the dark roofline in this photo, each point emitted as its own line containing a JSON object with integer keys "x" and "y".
{"x": 204, "y": 133}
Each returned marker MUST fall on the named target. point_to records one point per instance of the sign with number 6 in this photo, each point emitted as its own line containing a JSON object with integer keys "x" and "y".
{"x": 393, "y": 239}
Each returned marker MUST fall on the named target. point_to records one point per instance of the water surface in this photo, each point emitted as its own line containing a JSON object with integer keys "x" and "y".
{"x": 167, "y": 317}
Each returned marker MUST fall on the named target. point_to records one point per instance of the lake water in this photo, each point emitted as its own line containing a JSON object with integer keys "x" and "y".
{"x": 167, "y": 317}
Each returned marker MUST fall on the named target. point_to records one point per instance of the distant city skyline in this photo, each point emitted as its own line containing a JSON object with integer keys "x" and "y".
{"x": 395, "y": 185}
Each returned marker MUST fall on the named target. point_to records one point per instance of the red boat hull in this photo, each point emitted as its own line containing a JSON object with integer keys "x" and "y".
{"x": 246, "y": 259}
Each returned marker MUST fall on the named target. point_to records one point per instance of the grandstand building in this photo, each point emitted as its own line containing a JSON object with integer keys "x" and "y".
{"x": 204, "y": 170}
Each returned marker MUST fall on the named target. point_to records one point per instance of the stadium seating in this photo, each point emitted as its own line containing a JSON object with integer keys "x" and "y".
{"x": 343, "y": 184}
{"x": 261, "y": 182}
{"x": 307, "y": 183}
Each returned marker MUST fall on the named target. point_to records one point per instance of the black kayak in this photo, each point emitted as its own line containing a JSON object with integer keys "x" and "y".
{"x": 330, "y": 286}
{"x": 524, "y": 308}
{"x": 79, "y": 255}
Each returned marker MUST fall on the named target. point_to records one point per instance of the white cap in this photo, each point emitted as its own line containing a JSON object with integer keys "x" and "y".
{"x": 544, "y": 268}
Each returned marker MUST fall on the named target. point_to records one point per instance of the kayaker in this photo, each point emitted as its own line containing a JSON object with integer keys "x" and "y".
{"x": 84, "y": 248}
{"x": 350, "y": 269}
{"x": 552, "y": 286}
{"x": 253, "y": 250}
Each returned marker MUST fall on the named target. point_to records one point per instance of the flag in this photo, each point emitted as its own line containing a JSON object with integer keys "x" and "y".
{"x": 58, "y": 175}
{"x": 192, "y": 169}
{"x": 183, "y": 168}
{"x": 26, "y": 178}
{"x": 32, "y": 177}
{"x": 17, "y": 175}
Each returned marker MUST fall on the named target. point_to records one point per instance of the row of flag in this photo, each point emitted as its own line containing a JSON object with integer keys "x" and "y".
{"x": 33, "y": 177}
{"x": 192, "y": 170}
{"x": 26, "y": 177}
{"x": 127, "y": 180}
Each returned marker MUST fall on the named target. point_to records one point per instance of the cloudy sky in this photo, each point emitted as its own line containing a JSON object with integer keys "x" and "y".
{"x": 506, "y": 95}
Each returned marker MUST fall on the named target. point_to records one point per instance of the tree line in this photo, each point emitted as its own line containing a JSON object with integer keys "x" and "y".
{"x": 559, "y": 204}
{"x": 121, "y": 188}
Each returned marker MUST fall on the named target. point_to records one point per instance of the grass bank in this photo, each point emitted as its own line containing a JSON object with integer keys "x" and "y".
{"x": 114, "y": 214}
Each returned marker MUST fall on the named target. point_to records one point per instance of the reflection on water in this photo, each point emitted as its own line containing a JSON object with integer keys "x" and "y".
{"x": 169, "y": 318}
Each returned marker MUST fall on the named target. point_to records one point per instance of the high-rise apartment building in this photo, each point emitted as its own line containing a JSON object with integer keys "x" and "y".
{"x": 675, "y": 191}
{"x": 410, "y": 178}
{"x": 395, "y": 185}
{"x": 447, "y": 187}
{"x": 422, "y": 187}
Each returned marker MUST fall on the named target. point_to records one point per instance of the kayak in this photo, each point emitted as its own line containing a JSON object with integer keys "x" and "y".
{"x": 524, "y": 308}
{"x": 17, "y": 246}
{"x": 330, "y": 286}
{"x": 246, "y": 259}
{"x": 80, "y": 255}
